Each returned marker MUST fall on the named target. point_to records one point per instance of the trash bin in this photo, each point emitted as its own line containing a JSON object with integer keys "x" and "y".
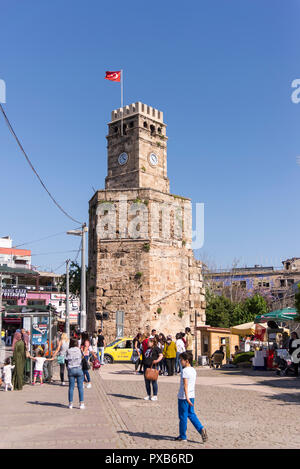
{"x": 202, "y": 360}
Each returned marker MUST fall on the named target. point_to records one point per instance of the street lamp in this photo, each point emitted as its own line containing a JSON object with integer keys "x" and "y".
{"x": 82, "y": 233}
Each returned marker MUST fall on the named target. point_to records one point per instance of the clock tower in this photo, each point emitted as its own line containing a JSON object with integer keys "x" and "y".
{"x": 137, "y": 149}
{"x": 142, "y": 272}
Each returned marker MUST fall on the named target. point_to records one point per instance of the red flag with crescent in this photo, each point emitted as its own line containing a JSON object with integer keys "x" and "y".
{"x": 113, "y": 76}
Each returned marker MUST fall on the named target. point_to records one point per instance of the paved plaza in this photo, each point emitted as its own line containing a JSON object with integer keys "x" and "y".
{"x": 240, "y": 410}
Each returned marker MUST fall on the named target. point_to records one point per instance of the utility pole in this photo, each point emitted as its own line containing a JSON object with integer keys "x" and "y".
{"x": 1, "y": 309}
{"x": 82, "y": 233}
{"x": 83, "y": 282}
{"x": 67, "y": 317}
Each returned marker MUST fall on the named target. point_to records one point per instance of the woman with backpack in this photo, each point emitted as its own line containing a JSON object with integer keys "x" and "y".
{"x": 86, "y": 349}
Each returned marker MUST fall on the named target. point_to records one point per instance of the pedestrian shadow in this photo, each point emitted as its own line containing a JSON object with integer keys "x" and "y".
{"x": 122, "y": 372}
{"x": 124, "y": 396}
{"x": 151, "y": 436}
{"x": 48, "y": 404}
{"x": 286, "y": 398}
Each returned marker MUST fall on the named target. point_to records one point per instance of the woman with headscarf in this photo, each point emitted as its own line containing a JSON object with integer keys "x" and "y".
{"x": 19, "y": 356}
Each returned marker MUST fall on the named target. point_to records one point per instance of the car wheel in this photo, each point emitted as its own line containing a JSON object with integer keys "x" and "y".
{"x": 108, "y": 359}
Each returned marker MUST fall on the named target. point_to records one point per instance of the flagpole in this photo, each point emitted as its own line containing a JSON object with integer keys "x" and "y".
{"x": 122, "y": 102}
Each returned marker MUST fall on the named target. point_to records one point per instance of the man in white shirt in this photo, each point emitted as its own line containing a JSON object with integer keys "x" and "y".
{"x": 186, "y": 399}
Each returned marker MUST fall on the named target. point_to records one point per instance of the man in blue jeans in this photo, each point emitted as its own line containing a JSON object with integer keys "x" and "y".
{"x": 186, "y": 399}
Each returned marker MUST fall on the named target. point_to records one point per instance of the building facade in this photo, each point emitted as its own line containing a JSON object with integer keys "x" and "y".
{"x": 142, "y": 271}
{"x": 279, "y": 283}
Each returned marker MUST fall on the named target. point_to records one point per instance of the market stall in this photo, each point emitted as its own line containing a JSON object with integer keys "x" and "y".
{"x": 275, "y": 353}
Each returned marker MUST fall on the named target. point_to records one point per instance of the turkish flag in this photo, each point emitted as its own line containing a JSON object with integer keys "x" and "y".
{"x": 113, "y": 76}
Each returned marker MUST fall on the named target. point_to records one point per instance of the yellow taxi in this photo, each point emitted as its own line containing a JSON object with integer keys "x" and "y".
{"x": 120, "y": 350}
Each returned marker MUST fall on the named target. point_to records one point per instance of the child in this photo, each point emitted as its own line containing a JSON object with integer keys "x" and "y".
{"x": 186, "y": 398}
{"x": 7, "y": 374}
{"x": 39, "y": 363}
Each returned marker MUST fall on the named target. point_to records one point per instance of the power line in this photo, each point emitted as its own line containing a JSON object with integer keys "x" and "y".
{"x": 57, "y": 252}
{"x": 41, "y": 239}
{"x": 79, "y": 249}
{"x": 33, "y": 169}
{"x": 57, "y": 268}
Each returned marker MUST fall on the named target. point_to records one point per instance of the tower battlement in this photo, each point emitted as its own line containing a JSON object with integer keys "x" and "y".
{"x": 137, "y": 108}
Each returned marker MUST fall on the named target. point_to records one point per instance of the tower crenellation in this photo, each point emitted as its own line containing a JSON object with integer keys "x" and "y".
{"x": 137, "y": 108}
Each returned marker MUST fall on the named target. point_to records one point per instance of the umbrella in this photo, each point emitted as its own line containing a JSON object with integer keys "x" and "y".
{"x": 286, "y": 314}
{"x": 245, "y": 329}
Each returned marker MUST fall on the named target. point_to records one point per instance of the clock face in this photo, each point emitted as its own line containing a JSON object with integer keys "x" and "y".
{"x": 153, "y": 159}
{"x": 123, "y": 158}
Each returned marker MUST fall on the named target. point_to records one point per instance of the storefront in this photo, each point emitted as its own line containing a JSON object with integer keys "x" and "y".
{"x": 212, "y": 338}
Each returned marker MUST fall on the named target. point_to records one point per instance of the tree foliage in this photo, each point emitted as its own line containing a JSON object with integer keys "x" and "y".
{"x": 221, "y": 312}
{"x": 75, "y": 279}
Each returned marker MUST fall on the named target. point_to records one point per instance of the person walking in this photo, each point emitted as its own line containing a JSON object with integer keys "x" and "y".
{"x": 292, "y": 348}
{"x": 170, "y": 355}
{"x": 100, "y": 346}
{"x": 86, "y": 349}
{"x": 186, "y": 399}
{"x": 189, "y": 342}
{"x": 19, "y": 357}
{"x": 180, "y": 349}
{"x": 152, "y": 356}
{"x": 8, "y": 338}
{"x": 60, "y": 353}
{"x": 136, "y": 354}
{"x": 7, "y": 375}
{"x": 161, "y": 344}
{"x": 75, "y": 373}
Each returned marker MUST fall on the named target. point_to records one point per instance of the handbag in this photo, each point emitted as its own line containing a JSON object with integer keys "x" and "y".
{"x": 151, "y": 374}
{"x": 134, "y": 357}
{"x": 84, "y": 363}
{"x": 96, "y": 364}
{"x": 61, "y": 359}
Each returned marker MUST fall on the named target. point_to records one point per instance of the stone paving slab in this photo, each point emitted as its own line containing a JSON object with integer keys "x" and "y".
{"x": 39, "y": 417}
{"x": 239, "y": 410}
{"x": 242, "y": 413}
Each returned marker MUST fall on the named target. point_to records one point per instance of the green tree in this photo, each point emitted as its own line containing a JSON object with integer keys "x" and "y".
{"x": 75, "y": 279}
{"x": 218, "y": 310}
{"x": 221, "y": 312}
{"x": 247, "y": 310}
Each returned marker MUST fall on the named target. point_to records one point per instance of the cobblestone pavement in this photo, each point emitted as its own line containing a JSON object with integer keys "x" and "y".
{"x": 239, "y": 409}
{"x": 39, "y": 417}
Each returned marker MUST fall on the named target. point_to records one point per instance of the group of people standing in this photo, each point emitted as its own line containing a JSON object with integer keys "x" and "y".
{"x": 170, "y": 349}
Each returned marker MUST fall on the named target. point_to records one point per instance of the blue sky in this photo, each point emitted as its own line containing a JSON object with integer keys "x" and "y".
{"x": 220, "y": 70}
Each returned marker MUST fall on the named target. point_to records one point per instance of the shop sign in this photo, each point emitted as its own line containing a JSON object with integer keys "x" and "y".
{"x": 14, "y": 292}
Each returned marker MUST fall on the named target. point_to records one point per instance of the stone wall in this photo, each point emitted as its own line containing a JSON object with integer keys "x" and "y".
{"x": 154, "y": 279}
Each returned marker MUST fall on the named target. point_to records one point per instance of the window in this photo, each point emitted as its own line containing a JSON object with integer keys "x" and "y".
{"x": 125, "y": 344}
{"x": 282, "y": 282}
{"x": 145, "y": 125}
{"x": 36, "y": 302}
{"x": 152, "y": 129}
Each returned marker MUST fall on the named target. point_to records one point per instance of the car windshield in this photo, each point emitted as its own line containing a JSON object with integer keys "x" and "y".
{"x": 113, "y": 343}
